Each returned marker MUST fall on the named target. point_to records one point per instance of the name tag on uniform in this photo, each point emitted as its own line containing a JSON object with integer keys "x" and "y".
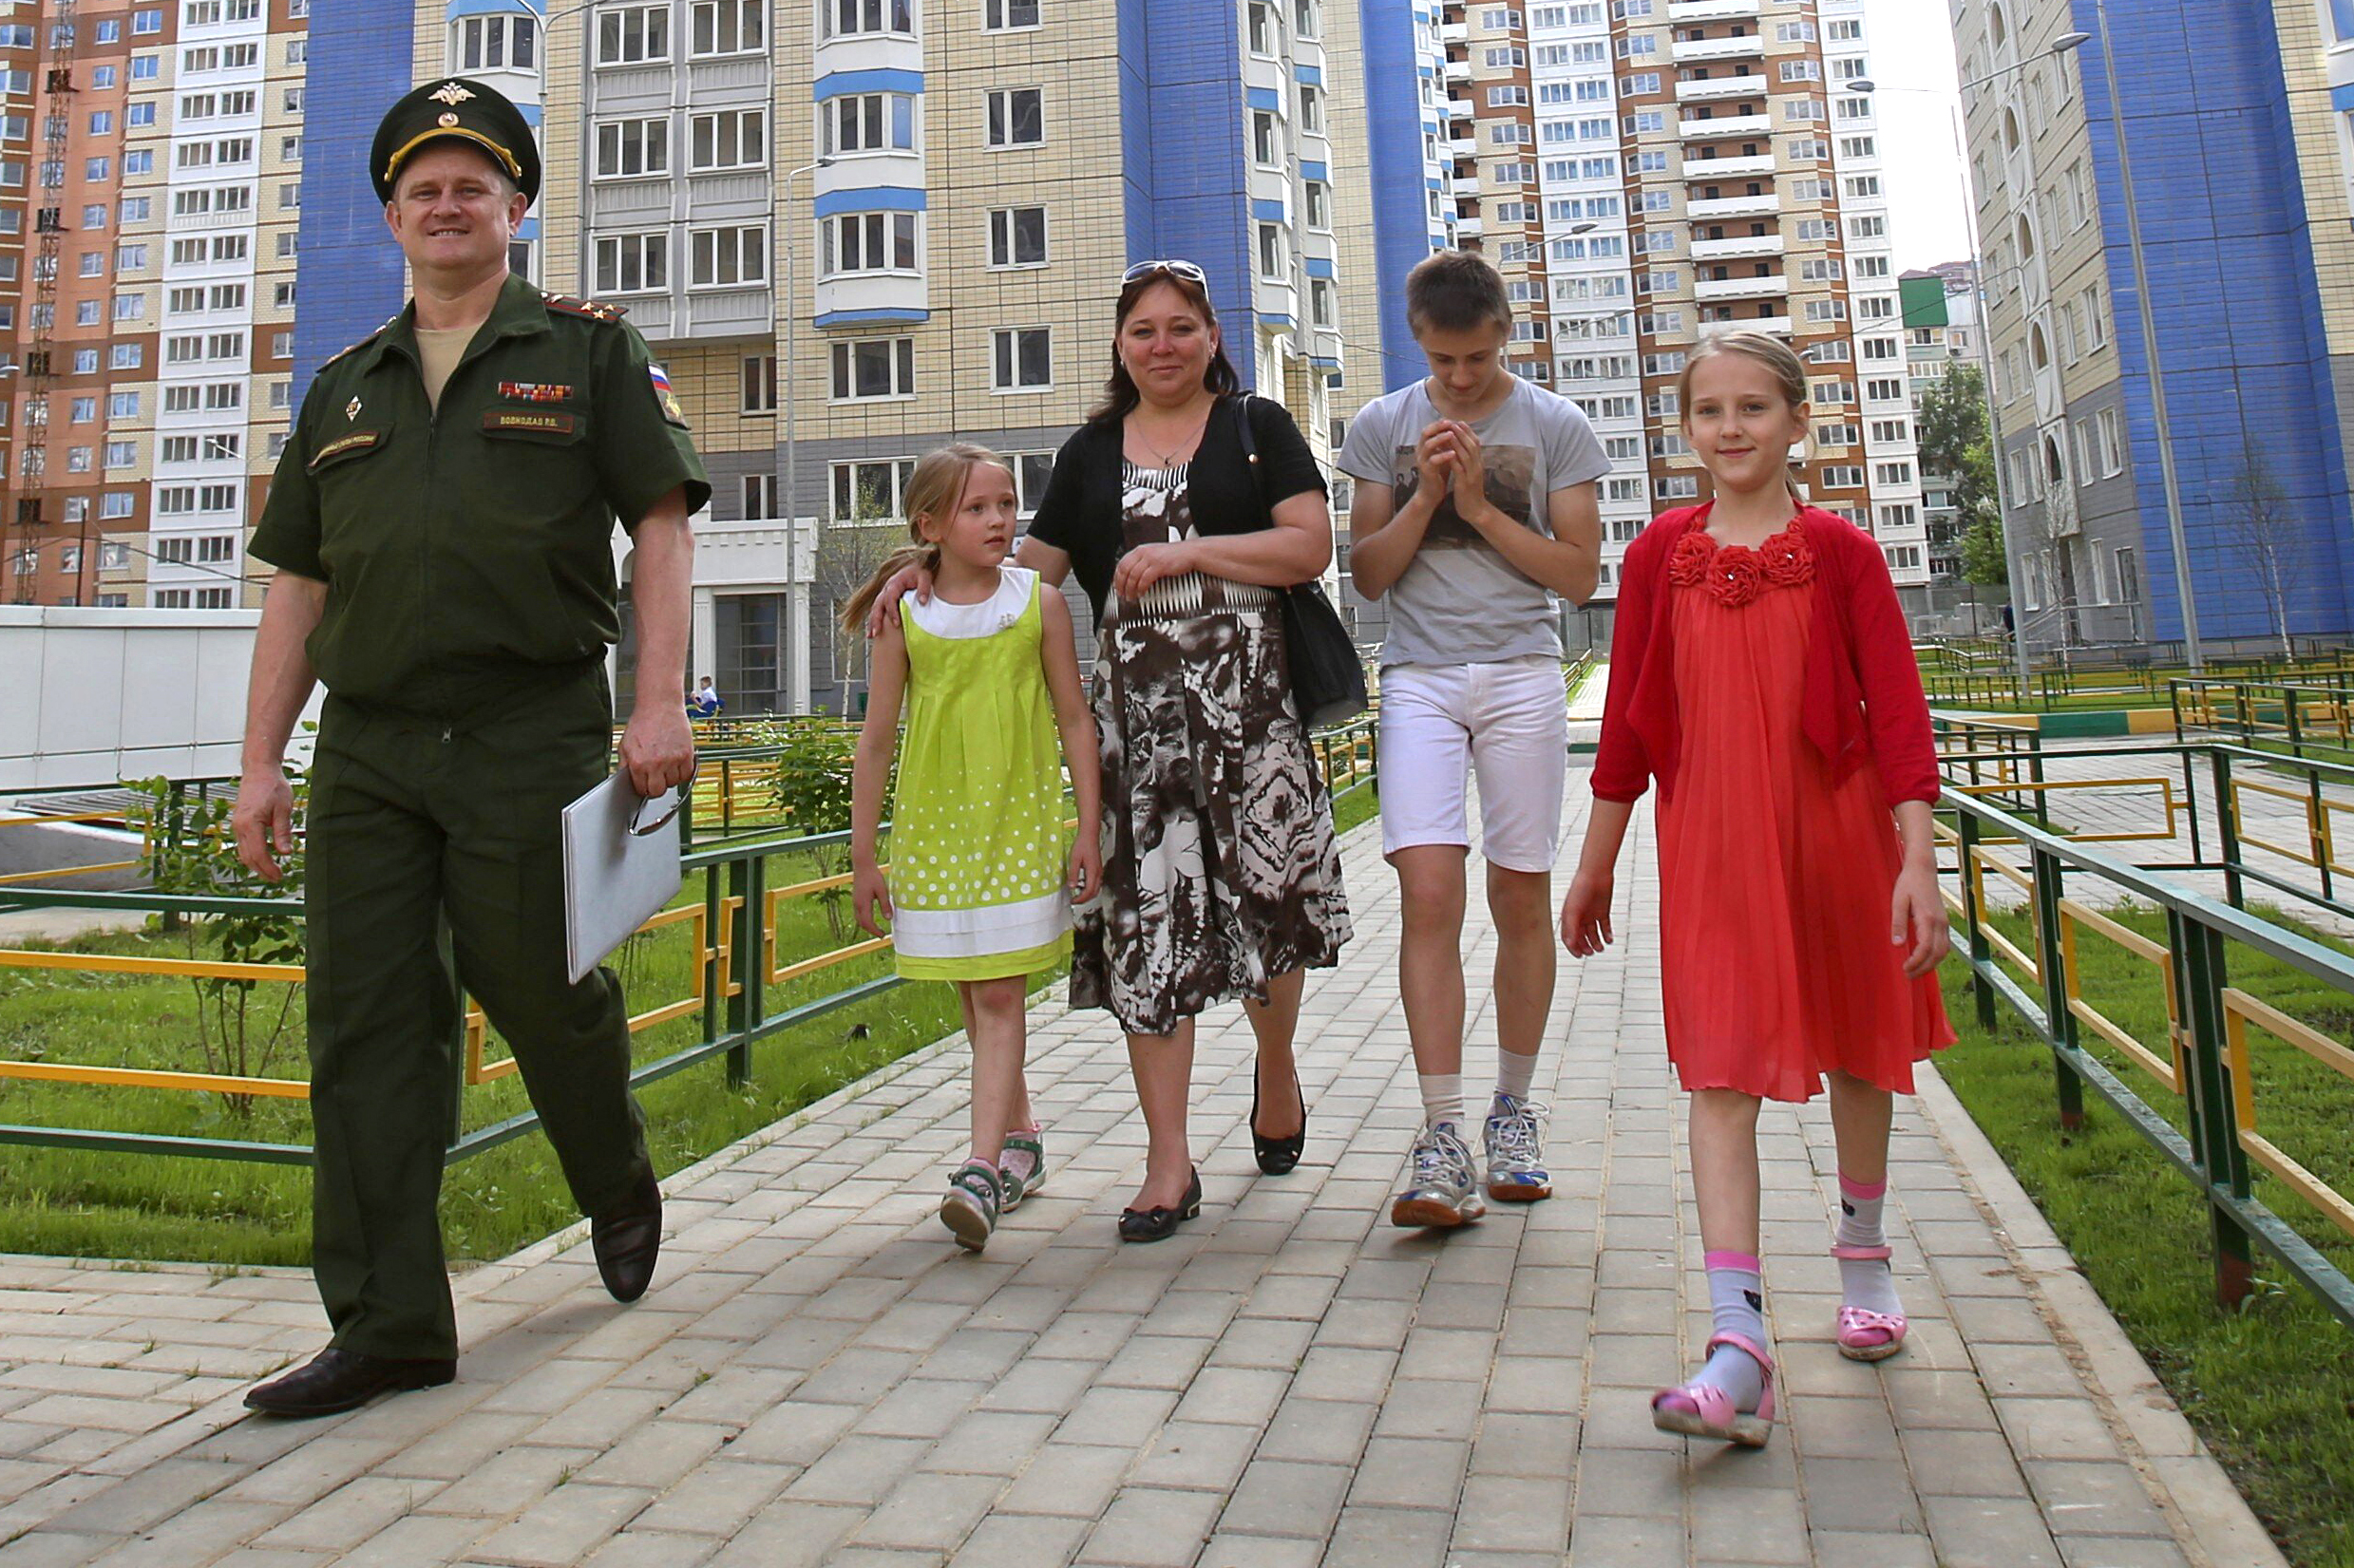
{"x": 358, "y": 440}
{"x": 548, "y": 424}
{"x": 536, "y": 391}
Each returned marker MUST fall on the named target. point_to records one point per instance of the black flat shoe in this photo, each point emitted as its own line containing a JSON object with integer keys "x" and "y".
{"x": 1160, "y": 1224}
{"x": 334, "y": 1380}
{"x": 627, "y": 1238}
{"x": 1278, "y": 1156}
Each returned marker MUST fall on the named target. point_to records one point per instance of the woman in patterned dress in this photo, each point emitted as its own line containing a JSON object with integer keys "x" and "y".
{"x": 1222, "y": 876}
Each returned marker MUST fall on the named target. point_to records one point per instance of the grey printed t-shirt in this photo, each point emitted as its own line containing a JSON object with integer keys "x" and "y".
{"x": 1460, "y": 601}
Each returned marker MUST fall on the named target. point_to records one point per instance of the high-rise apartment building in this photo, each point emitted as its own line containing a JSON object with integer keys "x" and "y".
{"x": 858, "y": 229}
{"x": 149, "y": 199}
{"x": 2248, "y": 250}
{"x": 1647, "y": 172}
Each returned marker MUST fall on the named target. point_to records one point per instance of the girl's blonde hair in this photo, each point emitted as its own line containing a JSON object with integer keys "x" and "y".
{"x": 1768, "y": 350}
{"x": 932, "y": 491}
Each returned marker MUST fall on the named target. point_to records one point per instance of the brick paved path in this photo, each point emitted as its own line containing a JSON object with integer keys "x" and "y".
{"x": 817, "y": 1377}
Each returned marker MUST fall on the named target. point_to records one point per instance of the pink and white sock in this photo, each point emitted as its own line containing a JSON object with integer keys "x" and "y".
{"x": 1736, "y": 1302}
{"x": 1865, "y": 1282}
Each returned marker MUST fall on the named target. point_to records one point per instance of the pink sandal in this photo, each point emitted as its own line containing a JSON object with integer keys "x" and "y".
{"x": 1703, "y": 1409}
{"x": 1865, "y": 1334}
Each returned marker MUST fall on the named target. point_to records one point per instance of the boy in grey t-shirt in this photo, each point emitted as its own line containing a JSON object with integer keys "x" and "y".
{"x": 1476, "y": 505}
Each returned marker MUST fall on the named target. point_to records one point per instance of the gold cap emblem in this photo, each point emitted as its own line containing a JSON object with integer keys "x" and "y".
{"x": 447, "y": 119}
{"x": 352, "y": 411}
{"x": 450, "y": 93}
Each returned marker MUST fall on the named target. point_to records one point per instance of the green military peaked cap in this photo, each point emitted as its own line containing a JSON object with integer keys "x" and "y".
{"x": 461, "y": 107}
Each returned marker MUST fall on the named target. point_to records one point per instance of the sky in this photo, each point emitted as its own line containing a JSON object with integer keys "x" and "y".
{"x": 1913, "y": 49}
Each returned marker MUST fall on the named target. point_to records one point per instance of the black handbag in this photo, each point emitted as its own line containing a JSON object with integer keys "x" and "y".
{"x": 1327, "y": 674}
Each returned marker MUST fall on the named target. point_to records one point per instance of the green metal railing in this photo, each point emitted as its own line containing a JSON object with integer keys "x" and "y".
{"x": 2205, "y": 1061}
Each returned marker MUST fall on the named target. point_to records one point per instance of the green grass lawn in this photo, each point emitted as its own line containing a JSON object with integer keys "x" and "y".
{"x": 2271, "y": 1385}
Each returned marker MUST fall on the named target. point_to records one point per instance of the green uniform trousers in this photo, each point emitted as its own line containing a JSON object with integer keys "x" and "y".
{"x": 420, "y": 832}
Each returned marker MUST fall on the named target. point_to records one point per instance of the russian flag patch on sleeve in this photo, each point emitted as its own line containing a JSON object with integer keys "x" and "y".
{"x": 665, "y": 397}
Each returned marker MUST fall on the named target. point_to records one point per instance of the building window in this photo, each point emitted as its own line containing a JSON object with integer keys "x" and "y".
{"x": 732, "y": 139}
{"x": 1031, "y": 472}
{"x": 1266, "y": 139}
{"x": 1317, "y": 204}
{"x": 494, "y": 43}
{"x": 1006, "y": 15}
{"x": 633, "y": 149}
{"x": 1261, "y": 23}
{"x": 1320, "y": 307}
{"x": 726, "y": 26}
{"x": 869, "y": 492}
{"x": 1272, "y": 257}
{"x": 1023, "y": 360}
{"x": 848, "y": 18}
{"x": 760, "y": 496}
{"x": 634, "y": 35}
{"x": 874, "y": 368}
{"x": 1311, "y": 109}
{"x": 759, "y": 384}
{"x": 633, "y": 264}
{"x": 868, "y": 243}
{"x": 1017, "y": 116}
{"x": 869, "y": 121}
{"x": 728, "y": 258}
{"x": 1018, "y": 236}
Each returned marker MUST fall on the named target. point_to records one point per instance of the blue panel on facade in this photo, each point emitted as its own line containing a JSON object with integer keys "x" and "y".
{"x": 1310, "y": 169}
{"x": 350, "y": 273}
{"x": 1318, "y": 266}
{"x": 861, "y": 318}
{"x": 2342, "y": 97}
{"x": 2237, "y": 313}
{"x": 871, "y": 198}
{"x": 1181, "y": 130}
{"x": 1265, "y": 98}
{"x": 488, "y": 7}
{"x": 1265, "y": 211}
{"x": 835, "y": 84}
{"x": 1401, "y": 183}
{"x": 1312, "y": 75}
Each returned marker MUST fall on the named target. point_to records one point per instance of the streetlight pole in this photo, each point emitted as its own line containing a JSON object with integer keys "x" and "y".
{"x": 791, "y": 394}
{"x": 2149, "y": 350}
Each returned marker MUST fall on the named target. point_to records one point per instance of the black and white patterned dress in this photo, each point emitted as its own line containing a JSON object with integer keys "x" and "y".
{"x": 1220, "y": 869}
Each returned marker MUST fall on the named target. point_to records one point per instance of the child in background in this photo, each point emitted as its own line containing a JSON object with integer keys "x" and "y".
{"x": 1762, "y": 672}
{"x": 982, "y": 877}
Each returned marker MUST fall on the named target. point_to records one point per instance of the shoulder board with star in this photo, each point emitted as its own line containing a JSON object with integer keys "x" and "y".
{"x": 356, "y": 348}
{"x": 595, "y": 310}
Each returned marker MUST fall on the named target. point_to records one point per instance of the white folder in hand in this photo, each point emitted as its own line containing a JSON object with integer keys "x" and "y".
{"x": 618, "y": 875}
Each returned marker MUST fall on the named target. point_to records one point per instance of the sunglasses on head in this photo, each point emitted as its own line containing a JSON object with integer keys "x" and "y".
{"x": 1186, "y": 269}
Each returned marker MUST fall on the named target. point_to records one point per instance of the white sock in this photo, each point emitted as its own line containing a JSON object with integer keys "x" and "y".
{"x": 1516, "y": 1074}
{"x": 1737, "y": 1301}
{"x": 1442, "y": 1096}
{"x": 1865, "y": 1282}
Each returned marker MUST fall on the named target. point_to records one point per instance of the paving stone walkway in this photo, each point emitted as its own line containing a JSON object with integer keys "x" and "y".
{"x": 818, "y": 1377}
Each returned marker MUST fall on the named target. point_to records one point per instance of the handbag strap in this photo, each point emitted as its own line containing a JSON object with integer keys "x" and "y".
{"x": 1241, "y": 402}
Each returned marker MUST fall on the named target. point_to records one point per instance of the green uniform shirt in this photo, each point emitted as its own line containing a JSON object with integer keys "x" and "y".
{"x": 468, "y": 552}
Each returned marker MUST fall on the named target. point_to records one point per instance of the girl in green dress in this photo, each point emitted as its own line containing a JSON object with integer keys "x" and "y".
{"x": 983, "y": 875}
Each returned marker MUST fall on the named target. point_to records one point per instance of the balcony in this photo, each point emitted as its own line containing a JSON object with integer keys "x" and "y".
{"x": 1710, "y": 10}
{"x": 1747, "y": 247}
{"x": 1728, "y": 168}
{"x": 1735, "y": 206}
{"x": 1748, "y": 47}
{"x": 1778, "y": 325}
{"x": 1462, "y": 146}
{"x": 1709, "y": 89}
{"x": 1460, "y": 70}
{"x": 1460, "y": 109}
{"x": 1454, "y": 33}
{"x": 1742, "y": 287}
{"x": 1723, "y": 127}
{"x": 1468, "y": 228}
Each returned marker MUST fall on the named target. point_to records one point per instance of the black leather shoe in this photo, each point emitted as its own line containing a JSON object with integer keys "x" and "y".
{"x": 1160, "y": 1224}
{"x": 1278, "y": 1156}
{"x": 628, "y": 1239}
{"x": 343, "y": 1380}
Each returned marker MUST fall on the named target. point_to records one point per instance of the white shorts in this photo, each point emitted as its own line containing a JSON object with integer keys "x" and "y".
{"x": 1510, "y": 721}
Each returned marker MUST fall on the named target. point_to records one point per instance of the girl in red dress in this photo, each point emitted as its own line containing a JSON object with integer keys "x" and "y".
{"x": 1762, "y": 672}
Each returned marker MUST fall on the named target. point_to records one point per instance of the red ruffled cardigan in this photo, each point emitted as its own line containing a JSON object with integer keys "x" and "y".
{"x": 1862, "y": 688}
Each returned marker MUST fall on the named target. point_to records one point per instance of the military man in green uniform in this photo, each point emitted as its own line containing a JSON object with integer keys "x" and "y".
{"x": 442, "y": 525}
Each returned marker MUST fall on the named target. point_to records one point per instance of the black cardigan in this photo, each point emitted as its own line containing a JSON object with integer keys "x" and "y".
{"x": 1080, "y": 512}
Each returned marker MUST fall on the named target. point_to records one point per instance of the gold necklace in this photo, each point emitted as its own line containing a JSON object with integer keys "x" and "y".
{"x": 1166, "y": 460}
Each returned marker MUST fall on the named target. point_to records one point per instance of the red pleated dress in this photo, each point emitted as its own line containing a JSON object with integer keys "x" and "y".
{"x": 1775, "y": 877}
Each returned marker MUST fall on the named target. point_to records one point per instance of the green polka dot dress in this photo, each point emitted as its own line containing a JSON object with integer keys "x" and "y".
{"x": 979, "y": 851}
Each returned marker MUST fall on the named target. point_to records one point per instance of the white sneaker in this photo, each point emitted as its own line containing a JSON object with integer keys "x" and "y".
{"x": 1440, "y": 1190}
